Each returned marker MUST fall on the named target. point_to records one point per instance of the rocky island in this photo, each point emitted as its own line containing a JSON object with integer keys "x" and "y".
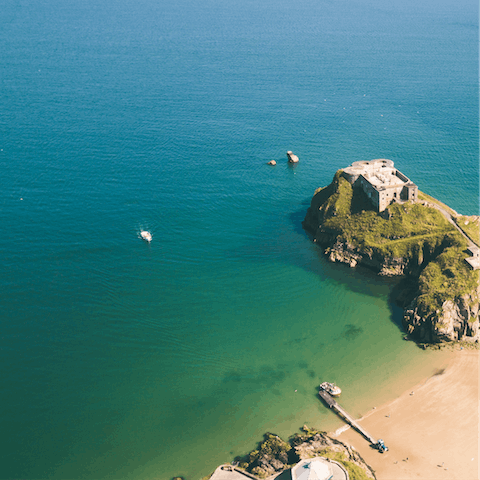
{"x": 373, "y": 215}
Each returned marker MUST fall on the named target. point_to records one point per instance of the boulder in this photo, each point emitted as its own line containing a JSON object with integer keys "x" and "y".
{"x": 292, "y": 158}
{"x": 272, "y": 162}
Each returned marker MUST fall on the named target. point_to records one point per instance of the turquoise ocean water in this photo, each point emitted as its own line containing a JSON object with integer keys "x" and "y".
{"x": 123, "y": 360}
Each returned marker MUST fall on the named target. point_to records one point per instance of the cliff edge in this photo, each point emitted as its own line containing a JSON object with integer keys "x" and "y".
{"x": 417, "y": 240}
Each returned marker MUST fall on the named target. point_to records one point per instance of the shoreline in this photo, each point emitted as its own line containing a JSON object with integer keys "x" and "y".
{"x": 431, "y": 429}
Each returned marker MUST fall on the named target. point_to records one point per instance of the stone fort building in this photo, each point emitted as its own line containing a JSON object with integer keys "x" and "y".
{"x": 381, "y": 182}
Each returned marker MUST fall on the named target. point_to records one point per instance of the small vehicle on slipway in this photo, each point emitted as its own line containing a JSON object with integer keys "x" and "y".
{"x": 380, "y": 446}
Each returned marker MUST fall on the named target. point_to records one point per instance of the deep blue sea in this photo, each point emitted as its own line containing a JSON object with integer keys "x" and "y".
{"x": 126, "y": 360}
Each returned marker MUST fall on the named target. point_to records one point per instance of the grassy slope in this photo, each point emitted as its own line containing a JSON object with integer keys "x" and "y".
{"x": 354, "y": 471}
{"x": 427, "y": 198}
{"x": 471, "y": 226}
{"x": 445, "y": 278}
{"x": 412, "y": 231}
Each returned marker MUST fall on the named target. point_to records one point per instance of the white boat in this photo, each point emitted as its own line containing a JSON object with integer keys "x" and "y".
{"x": 331, "y": 388}
{"x": 147, "y": 236}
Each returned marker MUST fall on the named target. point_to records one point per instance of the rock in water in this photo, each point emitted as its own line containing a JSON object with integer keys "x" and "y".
{"x": 292, "y": 158}
{"x": 272, "y": 162}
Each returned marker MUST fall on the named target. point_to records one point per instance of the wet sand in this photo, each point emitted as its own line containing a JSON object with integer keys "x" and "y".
{"x": 432, "y": 429}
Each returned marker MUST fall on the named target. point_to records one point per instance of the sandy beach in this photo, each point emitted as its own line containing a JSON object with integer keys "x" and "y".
{"x": 432, "y": 430}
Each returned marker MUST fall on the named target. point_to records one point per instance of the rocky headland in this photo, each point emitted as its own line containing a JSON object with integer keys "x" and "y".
{"x": 274, "y": 455}
{"x": 423, "y": 241}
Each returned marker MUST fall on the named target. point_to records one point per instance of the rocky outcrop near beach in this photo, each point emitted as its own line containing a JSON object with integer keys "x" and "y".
{"x": 456, "y": 320}
{"x": 272, "y": 456}
{"x": 313, "y": 443}
{"x": 275, "y": 455}
{"x": 408, "y": 239}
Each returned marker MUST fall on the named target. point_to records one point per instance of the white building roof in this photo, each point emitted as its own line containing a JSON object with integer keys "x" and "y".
{"x": 385, "y": 178}
{"x": 314, "y": 469}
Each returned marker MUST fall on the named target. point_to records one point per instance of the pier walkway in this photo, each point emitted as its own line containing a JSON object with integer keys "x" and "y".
{"x": 331, "y": 402}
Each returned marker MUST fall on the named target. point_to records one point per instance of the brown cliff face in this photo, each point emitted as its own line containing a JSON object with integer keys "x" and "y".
{"x": 456, "y": 320}
{"x": 343, "y": 252}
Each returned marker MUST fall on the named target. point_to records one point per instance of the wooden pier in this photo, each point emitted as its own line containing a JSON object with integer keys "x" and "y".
{"x": 331, "y": 402}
